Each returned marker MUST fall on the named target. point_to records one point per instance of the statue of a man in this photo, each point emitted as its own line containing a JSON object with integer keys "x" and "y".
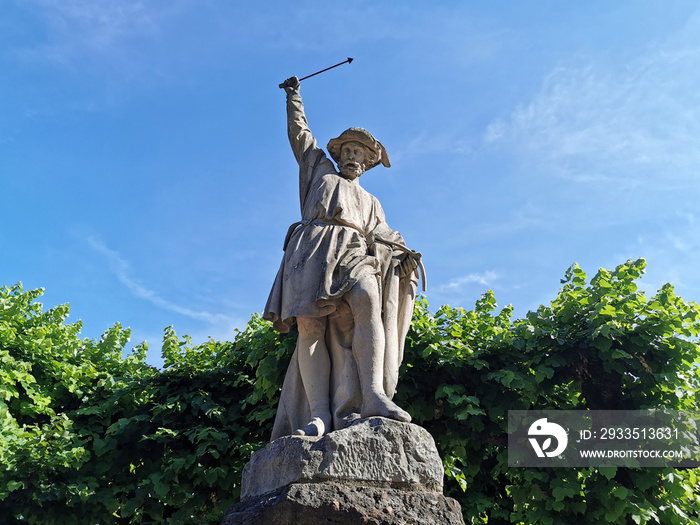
{"x": 348, "y": 281}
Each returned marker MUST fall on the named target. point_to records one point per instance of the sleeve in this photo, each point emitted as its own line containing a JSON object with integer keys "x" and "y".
{"x": 300, "y": 137}
{"x": 311, "y": 159}
{"x": 380, "y": 230}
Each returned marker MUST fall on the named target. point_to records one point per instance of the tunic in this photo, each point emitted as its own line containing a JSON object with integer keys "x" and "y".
{"x": 328, "y": 253}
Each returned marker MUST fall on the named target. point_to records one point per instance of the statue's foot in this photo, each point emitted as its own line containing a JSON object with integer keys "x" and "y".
{"x": 316, "y": 427}
{"x": 381, "y": 405}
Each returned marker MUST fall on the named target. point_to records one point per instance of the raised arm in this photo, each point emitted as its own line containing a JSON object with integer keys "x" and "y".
{"x": 298, "y": 130}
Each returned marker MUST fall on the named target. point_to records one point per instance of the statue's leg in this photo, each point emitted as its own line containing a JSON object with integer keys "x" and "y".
{"x": 315, "y": 369}
{"x": 368, "y": 349}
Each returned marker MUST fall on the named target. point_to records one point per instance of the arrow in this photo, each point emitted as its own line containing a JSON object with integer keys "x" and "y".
{"x": 349, "y": 60}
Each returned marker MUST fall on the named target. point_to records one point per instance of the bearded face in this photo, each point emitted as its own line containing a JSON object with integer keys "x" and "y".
{"x": 352, "y": 160}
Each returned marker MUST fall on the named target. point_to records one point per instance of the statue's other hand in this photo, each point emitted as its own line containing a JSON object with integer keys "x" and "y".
{"x": 290, "y": 85}
{"x": 407, "y": 264}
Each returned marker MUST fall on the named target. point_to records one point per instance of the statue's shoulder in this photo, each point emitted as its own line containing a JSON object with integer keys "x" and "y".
{"x": 315, "y": 158}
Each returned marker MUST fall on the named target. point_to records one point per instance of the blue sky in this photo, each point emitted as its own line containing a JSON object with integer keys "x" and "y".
{"x": 146, "y": 177}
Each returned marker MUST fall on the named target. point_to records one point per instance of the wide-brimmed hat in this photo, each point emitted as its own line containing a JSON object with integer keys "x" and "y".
{"x": 377, "y": 153}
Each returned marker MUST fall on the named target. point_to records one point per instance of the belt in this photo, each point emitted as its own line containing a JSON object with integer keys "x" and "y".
{"x": 322, "y": 222}
{"x": 393, "y": 245}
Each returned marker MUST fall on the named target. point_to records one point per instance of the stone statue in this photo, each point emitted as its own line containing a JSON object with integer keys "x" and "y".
{"x": 348, "y": 281}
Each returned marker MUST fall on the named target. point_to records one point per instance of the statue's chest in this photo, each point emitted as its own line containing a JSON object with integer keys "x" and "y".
{"x": 343, "y": 198}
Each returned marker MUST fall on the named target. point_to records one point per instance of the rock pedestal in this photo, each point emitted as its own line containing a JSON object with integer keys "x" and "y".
{"x": 376, "y": 471}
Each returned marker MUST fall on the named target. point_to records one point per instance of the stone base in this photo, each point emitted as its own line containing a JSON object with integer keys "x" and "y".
{"x": 376, "y": 471}
{"x": 337, "y": 503}
{"x": 374, "y": 451}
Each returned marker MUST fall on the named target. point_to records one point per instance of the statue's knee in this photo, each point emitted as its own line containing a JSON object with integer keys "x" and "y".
{"x": 365, "y": 296}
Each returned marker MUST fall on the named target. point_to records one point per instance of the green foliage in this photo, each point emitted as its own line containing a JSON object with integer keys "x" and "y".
{"x": 601, "y": 345}
{"x": 90, "y": 435}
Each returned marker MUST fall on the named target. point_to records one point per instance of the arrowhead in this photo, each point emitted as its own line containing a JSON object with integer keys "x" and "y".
{"x": 350, "y": 60}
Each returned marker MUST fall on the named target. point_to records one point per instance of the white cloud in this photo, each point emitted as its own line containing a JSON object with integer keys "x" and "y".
{"x": 456, "y": 285}
{"x": 528, "y": 216}
{"x": 426, "y": 144}
{"x": 632, "y": 123}
{"x": 626, "y": 133}
{"x": 121, "y": 270}
{"x": 89, "y": 27}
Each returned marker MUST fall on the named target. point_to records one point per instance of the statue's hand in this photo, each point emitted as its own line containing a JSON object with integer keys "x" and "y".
{"x": 290, "y": 85}
{"x": 407, "y": 264}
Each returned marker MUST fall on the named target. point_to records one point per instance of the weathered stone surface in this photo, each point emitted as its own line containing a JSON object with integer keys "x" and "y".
{"x": 375, "y": 452}
{"x": 328, "y": 503}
